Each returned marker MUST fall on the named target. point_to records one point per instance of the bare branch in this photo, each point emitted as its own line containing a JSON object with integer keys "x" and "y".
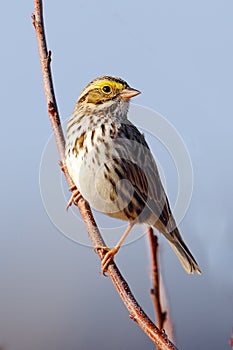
{"x": 136, "y": 313}
{"x": 155, "y": 291}
{"x": 158, "y": 291}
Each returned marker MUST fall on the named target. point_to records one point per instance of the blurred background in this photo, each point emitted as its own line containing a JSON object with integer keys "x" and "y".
{"x": 52, "y": 293}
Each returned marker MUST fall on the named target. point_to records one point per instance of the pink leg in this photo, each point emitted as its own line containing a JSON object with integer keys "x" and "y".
{"x": 76, "y": 195}
{"x": 112, "y": 252}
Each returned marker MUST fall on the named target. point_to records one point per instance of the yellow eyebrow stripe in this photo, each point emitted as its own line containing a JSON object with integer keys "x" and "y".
{"x": 113, "y": 84}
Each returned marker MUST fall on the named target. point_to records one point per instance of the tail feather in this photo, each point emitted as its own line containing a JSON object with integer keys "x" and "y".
{"x": 183, "y": 253}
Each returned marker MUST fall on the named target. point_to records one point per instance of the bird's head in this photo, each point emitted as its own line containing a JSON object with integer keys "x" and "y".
{"x": 107, "y": 89}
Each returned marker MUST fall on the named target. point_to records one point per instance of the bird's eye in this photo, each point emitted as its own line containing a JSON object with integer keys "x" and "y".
{"x": 106, "y": 89}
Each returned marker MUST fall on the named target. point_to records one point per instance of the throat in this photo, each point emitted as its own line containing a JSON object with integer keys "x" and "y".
{"x": 115, "y": 109}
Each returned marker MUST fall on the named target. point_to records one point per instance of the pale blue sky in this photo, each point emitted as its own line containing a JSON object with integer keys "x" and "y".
{"x": 180, "y": 55}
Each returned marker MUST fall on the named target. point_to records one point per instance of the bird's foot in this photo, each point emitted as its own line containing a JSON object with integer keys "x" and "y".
{"x": 108, "y": 257}
{"x": 76, "y": 195}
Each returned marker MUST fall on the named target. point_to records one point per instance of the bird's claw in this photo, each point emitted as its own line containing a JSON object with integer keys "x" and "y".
{"x": 76, "y": 195}
{"x": 108, "y": 257}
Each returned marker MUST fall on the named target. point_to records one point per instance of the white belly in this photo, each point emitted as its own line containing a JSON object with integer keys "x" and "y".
{"x": 87, "y": 167}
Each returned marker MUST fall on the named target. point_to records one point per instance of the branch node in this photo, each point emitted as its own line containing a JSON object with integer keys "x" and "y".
{"x": 37, "y": 24}
{"x": 49, "y": 57}
{"x": 132, "y": 317}
{"x": 62, "y": 166}
{"x": 164, "y": 316}
{"x": 33, "y": 20}
{"x": 51, "y": 109}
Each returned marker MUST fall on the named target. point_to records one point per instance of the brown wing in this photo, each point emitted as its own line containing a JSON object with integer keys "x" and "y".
{"x": 149, "y": 203}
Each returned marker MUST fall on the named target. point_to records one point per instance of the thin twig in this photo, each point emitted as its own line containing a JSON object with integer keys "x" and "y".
{"x": 155, "y": 291}
{"x": 168, "y": 325}
{"x": 158, "y": 292}
{"x": 136, "y": 312}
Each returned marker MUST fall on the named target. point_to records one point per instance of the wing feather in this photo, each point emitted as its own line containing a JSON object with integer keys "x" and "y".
{"x": 138, "y": 166}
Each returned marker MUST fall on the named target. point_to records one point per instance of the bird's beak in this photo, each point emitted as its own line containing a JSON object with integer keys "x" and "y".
{"x": 129, "y": 92}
